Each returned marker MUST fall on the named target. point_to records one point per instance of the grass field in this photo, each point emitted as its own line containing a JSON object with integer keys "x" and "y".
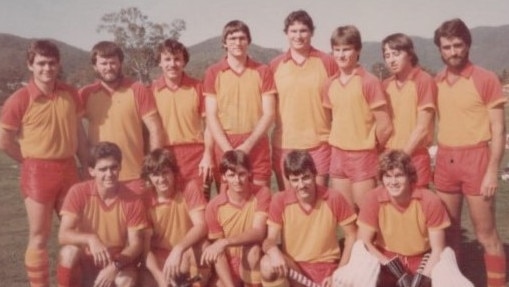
{"x": 13, "y": 232}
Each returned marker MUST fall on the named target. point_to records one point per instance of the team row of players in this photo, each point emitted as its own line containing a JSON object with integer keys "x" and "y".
{"x": 329, "y": 106}
{"x": 104, "y": 228}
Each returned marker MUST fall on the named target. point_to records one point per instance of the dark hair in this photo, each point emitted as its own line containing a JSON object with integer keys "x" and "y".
{"x": 104, "y": 150}
{"x": 346, "y": 35}
{"x": 401, "y": 42}
{"x": 397, "y": 159}
{"x": 44, "y": 48}
{"x": 300, "y": 16}
{"x": 232, "y": 159}
{"x": 158, "y": 161}
{"x": 453, "y": 28}
{"x": 236, "y": 26}
{"x": 174, "y": 47}
{"x": 106, "y": 49}
{"x": 298, "y": 162}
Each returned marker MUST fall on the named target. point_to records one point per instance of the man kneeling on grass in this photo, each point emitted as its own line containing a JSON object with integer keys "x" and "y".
{"x": 306, "y": 218}
{"x": 102, "y": 225}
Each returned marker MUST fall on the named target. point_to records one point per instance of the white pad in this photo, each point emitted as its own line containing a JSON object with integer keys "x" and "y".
{"x": 361, "y": 271}
{"x": 446, "y": 272}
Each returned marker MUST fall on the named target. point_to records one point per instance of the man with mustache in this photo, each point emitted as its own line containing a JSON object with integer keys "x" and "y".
{"x": 471, "y": 137}
{"x": 116, "y": 108}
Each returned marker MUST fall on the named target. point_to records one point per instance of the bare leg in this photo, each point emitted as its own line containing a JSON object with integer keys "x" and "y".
{"x": 454, "y": 203}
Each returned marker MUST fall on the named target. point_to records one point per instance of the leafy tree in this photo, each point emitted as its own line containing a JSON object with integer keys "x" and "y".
{"x": 137, "y": 35}
{"x": 380, "y": 70}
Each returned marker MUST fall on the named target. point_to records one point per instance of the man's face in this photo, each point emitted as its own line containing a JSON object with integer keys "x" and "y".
{"x": 346, "y": 56}
{"x": 396, "y": 182}
{"x": 299, "y": 36}
{"x": 105, "y": 173}
{"x": 163, "y": 181}
{"x": 238, "y": 180}
{"x": 44, "y": 69}
{"x": 454, "y": 52}
{"x": 397, "y": 61}
{"x": 236, "y": 44}
{"x": 304, "y": 185}
{"x": 108, "y": 70}
{"x": 172, "y": 65}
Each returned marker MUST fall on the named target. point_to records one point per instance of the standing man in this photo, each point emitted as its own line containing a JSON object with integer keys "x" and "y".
{"x": 102, "y": 225}
{"x": 180, "y": 104}
{"x": 236, "y": 220}
{"x": 471, "y": 137}
{"x": 412, "y": 93}
{"x": 306, "y": 218}
{"x": 360, "y": 118}
{"x": 41, "y": 129}
{"x": 240, "y": 102}
{"x": 116, "y": 108}
{"x": 301, "y": 122}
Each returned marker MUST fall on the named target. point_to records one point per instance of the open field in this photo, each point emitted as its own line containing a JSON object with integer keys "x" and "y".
{"x": 13, "y": 234}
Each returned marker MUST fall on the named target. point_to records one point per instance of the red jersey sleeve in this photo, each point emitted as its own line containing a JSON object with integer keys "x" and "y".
{"x": 276, "y": 208}
{"x": 263, "y": 196}
{"x": 209, "y": 81}
{"x": 341, "y": 209}
{"x": 426, "y": 91}
{"x": 76, "y": 198}
{"x": 211, "y": 218}
{"x": 434, "y": 210}
{"x": 368, "y": 214}
{"x": 136, "y": 215}
{"x": 268, "y": 86}
{"x": 488, "y": 86}
{"x": 194, "y": 196}
{"x": 145, "y": 102}
{"x": 373, "y": 91}
{"x": 14, "y": 109}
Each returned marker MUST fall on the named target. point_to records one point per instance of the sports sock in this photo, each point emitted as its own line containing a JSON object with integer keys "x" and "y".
{"x": 495, "y": 270}
{"x": 37, "y": 267}
{"x": 63, "y": 276}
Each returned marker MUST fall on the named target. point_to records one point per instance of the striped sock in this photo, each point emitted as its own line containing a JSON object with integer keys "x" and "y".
{"x": 495, "y": 270}
{"x": 37, "y": 267}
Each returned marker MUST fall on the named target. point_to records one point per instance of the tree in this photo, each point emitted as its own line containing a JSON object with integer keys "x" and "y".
{"x": 137, "y": 36}
{"x": 380, "y": 70}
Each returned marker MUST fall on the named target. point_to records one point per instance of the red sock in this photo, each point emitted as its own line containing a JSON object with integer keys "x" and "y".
{"x": 495, "y": 270}
{"x": 63, "y": 276}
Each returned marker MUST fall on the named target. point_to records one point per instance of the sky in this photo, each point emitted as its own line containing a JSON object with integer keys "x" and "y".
{"x": 75, "y": 21}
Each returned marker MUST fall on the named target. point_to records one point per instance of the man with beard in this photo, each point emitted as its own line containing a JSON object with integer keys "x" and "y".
{"x": 471, "y": 136}
{"x": 412, "y": 97}
{"x": 116, "y": 107}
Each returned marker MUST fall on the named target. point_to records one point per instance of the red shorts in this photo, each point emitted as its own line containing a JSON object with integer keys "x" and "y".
{"x": 355, "y": 165}
{"x": 317, "y": 271}
{"x": 188, "y": 158}
{"x": 321, "y": 156}
{"x": 47, "y": 181}
{"x": 461, "y": 169}
{"x": 259, "y": 155}
{"x": 422, "y": 162}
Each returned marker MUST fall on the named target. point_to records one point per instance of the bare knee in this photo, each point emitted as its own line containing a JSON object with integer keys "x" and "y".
{"x": 253, "y": 255}
{"x": 126, "y": 278}
{"x": 266, "y": 269}
{"x": 69, "y": 255}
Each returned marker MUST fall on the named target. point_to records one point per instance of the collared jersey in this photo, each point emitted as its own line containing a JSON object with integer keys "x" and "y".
{"x": 310, "y": 236}
{"x": 170, "y": 221}
{"x": 403, "y": 230}
{"x": 301, "y": 121}
{"x": 239, "y": 96}
{"x": 226, "y": 219}
{"x": 46, "y": 124}
{"x": 352, "y": 105}
{"x": 117, "y": 117}
{"x": 416, "y": 94}
{"x": 464, "y": 104}
{"x": 109, "y": 222}
{"x": 181, "y": 110}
